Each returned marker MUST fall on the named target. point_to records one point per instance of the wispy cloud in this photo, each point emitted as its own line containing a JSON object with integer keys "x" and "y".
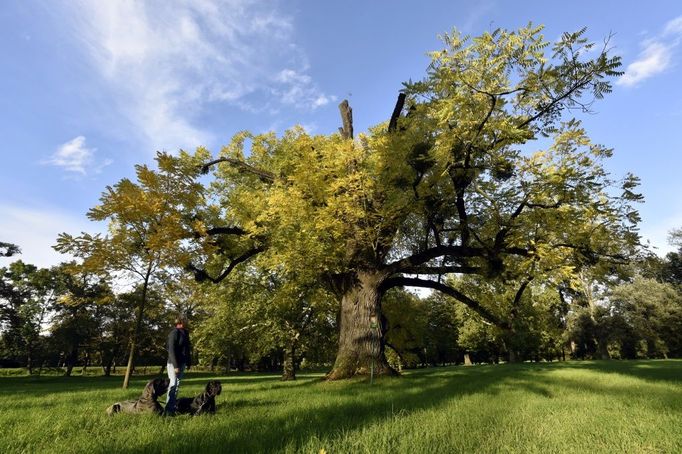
{"x": 75, "y": 157}
{"x": 297, "y": 89}
{"x": 657, "y": 55}
{"x": 169, "y": 61}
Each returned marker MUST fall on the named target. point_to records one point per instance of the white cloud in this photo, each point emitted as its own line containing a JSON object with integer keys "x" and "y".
{"x": 35, "y": 231}
{"x": 74, "y": 156}
{"x": 653, "y": 60}
{"x": 656, "y": 57}
{"x": 166, "y": 60}
{"x": 297, "y": 89}
{"x": 674, "y": 27}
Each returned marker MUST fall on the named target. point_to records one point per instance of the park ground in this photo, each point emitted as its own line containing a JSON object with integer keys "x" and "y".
{"x": 576, "y": 407}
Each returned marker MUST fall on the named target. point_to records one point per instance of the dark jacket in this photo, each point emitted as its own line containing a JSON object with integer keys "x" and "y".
{"x": 179, "y": 348}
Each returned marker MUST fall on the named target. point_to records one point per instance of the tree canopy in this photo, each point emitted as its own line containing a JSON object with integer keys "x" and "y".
{"x": 448, "y": 185}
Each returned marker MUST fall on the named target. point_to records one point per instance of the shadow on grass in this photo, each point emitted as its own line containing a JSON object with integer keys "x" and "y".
{"x": 351, "y": 406}
{"x": 345, "y": 407}
{"x": 263, "y": 414}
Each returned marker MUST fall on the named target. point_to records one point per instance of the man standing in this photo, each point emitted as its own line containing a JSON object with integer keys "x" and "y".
{"x": 179, "y": 351}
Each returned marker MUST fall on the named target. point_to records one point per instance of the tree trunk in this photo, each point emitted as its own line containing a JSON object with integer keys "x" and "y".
{"x": 70, "y": 360}
{"x": 289, "y": 370}
{"x": 29, "y": 360}
{"x": 602, "y": 348}
{"x": 107, "y": 368}
{"x": 361, "y": 336}
{"x": 86, "y": 363}
{"x": 467, "y": 360}
{"x": 138, "y": 327}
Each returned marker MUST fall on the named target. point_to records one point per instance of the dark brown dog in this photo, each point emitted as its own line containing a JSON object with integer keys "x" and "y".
{"x": 203, "y": 403}
{"x": 147, "y": 402}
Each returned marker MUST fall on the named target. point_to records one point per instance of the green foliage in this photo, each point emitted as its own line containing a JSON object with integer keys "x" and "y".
{"x": 147, "y": 220}
{"x": 9, "y": 249}
{"x": 653, "y": 311}
{"x": 449, "y": 174}
{"x": 27, "y": 295}
{"x": 257, "y": 315}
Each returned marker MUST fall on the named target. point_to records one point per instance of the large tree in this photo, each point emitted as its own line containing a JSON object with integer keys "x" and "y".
{"x": 448, "y": 185}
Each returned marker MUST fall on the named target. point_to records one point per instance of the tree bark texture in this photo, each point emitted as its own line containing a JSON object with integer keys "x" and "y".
{"x": 361, "y": 342}
{"x": 347, "y": 119}
{"x": 289, "y": 370}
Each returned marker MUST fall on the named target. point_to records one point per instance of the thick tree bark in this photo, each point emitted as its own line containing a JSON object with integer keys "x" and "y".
{"x": 289, "y": 370}
{"x": 361, "y": 342}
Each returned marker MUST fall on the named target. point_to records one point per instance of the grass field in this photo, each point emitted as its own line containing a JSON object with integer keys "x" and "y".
{"x": 609, "y": 407}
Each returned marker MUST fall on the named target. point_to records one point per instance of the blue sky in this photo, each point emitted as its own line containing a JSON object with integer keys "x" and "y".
{"x": 92, "y": 87}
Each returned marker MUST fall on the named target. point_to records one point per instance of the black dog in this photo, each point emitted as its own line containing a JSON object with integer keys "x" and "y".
{"x": 147, "y": 402}
{"x": 203, "y": 403}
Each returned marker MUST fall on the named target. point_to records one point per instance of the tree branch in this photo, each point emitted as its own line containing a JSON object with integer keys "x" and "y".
{"x": 201, "y": 275}
{"x": 432, "y": 253}
{"x": 543, "y": 110}
{"x": 347, "y": 119}
{"x": 420, "y": 258}
{"x": 226, "y": 231}
{"x": 439, "y": 270}
{"x": 459, "y": 296}
{"x": 264, "y": 175}
{"x": 399, "y": 104}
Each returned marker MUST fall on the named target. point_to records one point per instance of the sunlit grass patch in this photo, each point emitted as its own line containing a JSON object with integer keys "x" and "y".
{"x": 560, "y": 407}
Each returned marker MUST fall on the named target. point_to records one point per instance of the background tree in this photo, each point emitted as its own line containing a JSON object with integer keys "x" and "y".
{"x": 260, "y": 315}
{"x": 78, "y": 319}
{"x": 9, "y": 249}
{"x": 27, "y": 295}
{"x": 147, "y": 222}
{"x": 443, "y": 189}
{"x": 406, "y": 322}
{"x": 653, "y": 311}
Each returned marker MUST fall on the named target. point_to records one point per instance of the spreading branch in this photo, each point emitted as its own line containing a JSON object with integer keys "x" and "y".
{"x": 443, "y": 250}
{"x": 201, "y": 275}
{"x": 264, "y": 175}
{"x": 450, "y": 291}
{"x": 226, "y": 231}
{"x": 440, "y": 270}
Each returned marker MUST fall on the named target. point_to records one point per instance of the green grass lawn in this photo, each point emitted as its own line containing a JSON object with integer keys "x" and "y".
{"x": 610, "y": 407}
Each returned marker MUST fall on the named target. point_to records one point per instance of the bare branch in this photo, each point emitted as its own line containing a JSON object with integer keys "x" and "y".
{"x": 399, "y": 104}
{"x": 347, "y": 118}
